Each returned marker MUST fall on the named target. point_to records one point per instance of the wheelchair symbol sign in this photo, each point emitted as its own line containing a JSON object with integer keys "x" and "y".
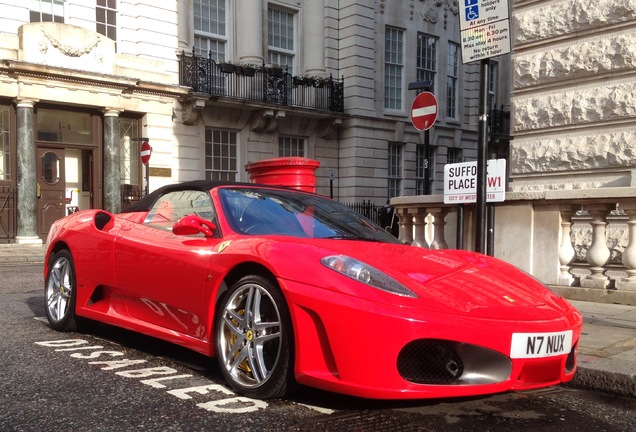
{"x": 472, "y": 12}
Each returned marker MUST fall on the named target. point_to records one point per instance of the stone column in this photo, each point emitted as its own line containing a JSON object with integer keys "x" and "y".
{"x": 439, "y": 223}
{"x": 27, "y": 207}
{"x": 419, "y": 231}
{"x": 112, "y": 181}
{"x": 185, "y": 25}
{"x": 566, "y": 250}
{"x": 249, "y": 42}
{"x": 314, "y": 37}
{"x": 598, "y": 254}
{"x": 405, "y": 221}
{"x": 629, "y": 254}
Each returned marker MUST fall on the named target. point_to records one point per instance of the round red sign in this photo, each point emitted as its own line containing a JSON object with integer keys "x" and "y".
{"x": 424, "y": 111}
{"x": 145, "y": 151}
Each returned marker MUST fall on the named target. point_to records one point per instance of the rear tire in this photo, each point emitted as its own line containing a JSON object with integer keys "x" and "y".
{"x": 254, "y": 339}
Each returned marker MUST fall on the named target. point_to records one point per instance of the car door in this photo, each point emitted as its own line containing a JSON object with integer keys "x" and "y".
{"x": 166, "y": 277}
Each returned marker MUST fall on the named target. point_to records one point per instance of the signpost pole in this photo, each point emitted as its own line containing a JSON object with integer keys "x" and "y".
{"x": 480, "y": 235}
{"x": 145, "y": 153}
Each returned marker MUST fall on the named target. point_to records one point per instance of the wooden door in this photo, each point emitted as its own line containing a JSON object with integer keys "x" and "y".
{"x": 51, "y": 188}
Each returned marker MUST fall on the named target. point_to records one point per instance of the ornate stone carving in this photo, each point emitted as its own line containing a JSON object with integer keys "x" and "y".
{"x": 192, "y": 109}
{"x": 73, "y": 50}
{"x": 433, "y": 8}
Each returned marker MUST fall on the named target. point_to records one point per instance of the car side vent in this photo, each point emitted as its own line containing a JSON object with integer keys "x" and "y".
{"x": 101, "y": 220}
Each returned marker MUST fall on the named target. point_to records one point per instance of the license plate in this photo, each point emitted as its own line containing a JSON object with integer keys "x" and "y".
{"x": 534, "y": 345}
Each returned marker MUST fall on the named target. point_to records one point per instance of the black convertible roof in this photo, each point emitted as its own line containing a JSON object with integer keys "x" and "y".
{"x": 146, "y": 203}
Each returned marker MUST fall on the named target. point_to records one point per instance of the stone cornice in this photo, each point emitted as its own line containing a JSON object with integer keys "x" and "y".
{"x": 18, "y": 69}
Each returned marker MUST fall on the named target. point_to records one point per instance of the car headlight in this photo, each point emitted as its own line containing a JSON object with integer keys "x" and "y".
{"x": 366, "y": 274}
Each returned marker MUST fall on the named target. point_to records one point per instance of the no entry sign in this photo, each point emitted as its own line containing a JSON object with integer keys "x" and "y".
{"x": 424, "y": 111}
{"x": 145, "y": 152}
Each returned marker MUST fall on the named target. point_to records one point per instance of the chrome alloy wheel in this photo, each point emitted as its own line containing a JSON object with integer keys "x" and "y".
{"x": 59, "y": 289}
{"x": 250, "y": 337}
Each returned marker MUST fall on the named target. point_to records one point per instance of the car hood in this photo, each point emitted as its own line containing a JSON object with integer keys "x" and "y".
{"x": 454, "y": 281}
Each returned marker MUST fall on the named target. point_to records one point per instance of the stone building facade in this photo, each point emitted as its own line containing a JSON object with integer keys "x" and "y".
{"x": 574, "y": 110}
{"x": 83, "y": 84}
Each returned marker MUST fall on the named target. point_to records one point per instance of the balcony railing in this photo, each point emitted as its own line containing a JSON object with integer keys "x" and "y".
{"x": 579, "y": 239}
{"x": 259, "y": 83}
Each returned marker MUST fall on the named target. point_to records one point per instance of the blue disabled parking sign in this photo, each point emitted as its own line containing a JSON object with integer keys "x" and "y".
{"x": 471, "y": 9}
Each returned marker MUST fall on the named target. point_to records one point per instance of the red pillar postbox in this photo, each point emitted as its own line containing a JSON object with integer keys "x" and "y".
{"x": 294, "y": 172}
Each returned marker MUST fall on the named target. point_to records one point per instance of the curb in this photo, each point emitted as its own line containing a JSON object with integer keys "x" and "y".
{"x": 613, "y": 383}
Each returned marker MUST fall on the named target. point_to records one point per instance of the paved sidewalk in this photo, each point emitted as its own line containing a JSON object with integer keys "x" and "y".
{"x": 607, "y": 350}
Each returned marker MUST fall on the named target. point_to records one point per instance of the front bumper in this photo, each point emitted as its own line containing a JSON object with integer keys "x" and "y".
{"x": 349, "y": 345}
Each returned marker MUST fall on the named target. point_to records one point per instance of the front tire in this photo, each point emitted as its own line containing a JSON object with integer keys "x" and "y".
{"x": 254, "y": 339}
{"x": 60, "y": 292}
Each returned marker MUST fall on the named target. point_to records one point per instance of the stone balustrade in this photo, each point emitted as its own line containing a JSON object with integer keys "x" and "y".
{"x": 577, "y": 238}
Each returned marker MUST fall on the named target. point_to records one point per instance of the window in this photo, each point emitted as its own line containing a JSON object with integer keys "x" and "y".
{"x": 220, "y": 155}
{"x": 393, "y": 65}
{"x": 454, "y": 155}
{"x": 289, "y": 146}
{"x": 421, "y": 163}
{"x": 5, "y": 149}
{"x": 430, "y": 156}
{"x": 174, "y": 205}
{"x": 106, "y": 18}
{"x": 395, "y": 169}
{"x": 424, "y": 168}
{"x": 452, "y": 80}
{"x": 46, "y": 11}
{"x": 210, "y": 28}
{"x": 280, "y": 38}
{"x": 74, "y": 127}
{"x": 129, "y": 151}
{"x": 426, "y": 58}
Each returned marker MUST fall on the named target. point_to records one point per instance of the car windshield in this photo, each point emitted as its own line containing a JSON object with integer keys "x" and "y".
{"x": 256, "y": 211}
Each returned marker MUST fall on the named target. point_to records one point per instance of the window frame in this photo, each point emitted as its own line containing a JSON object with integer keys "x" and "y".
{"x": 395, "y": 167}
{"x": 35, "y": 8}
{"x": 281, "y": 55}
{"x": 229, "y": 149}
{"x": 7, "y": 131}
{"x": 290, "y": 146}
{"x": 218, "y": 41}
{"x": 426, "y": 58}
{"x": 110, "y": 8}
{"x": 394, "y": 68}
{"x": 452, "y": 81}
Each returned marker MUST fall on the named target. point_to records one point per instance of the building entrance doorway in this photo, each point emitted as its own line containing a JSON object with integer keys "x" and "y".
{"x": 50, "y": 189}
{"x": 64, "y": 184}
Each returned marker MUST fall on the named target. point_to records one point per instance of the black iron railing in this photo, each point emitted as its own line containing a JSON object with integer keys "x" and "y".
{"x": 260, "y": 83}
{"x": 499, "y": 121}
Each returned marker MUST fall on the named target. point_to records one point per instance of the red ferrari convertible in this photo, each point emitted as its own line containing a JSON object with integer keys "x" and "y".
{"x": 286, "y": 287}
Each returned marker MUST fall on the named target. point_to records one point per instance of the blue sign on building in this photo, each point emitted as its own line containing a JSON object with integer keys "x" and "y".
{"x": 472, "y": 12}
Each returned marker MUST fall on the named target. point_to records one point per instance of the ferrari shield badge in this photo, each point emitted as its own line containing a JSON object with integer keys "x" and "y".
{"x": 224, "y": 245}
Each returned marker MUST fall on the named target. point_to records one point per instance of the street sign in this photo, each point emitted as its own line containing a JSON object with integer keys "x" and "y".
{"x": 485, "y": 29}
{"x": 460, "y": 182}
{"x": 424, "y": 111}
{"x": 145, "y": 152}
{"x": 481, "y": 12}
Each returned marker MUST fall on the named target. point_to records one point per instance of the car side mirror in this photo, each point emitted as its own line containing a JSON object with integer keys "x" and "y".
{"x": 193, "y": 224}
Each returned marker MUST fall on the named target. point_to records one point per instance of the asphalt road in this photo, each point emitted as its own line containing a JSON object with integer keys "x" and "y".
{"x": 112, "y": 379}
